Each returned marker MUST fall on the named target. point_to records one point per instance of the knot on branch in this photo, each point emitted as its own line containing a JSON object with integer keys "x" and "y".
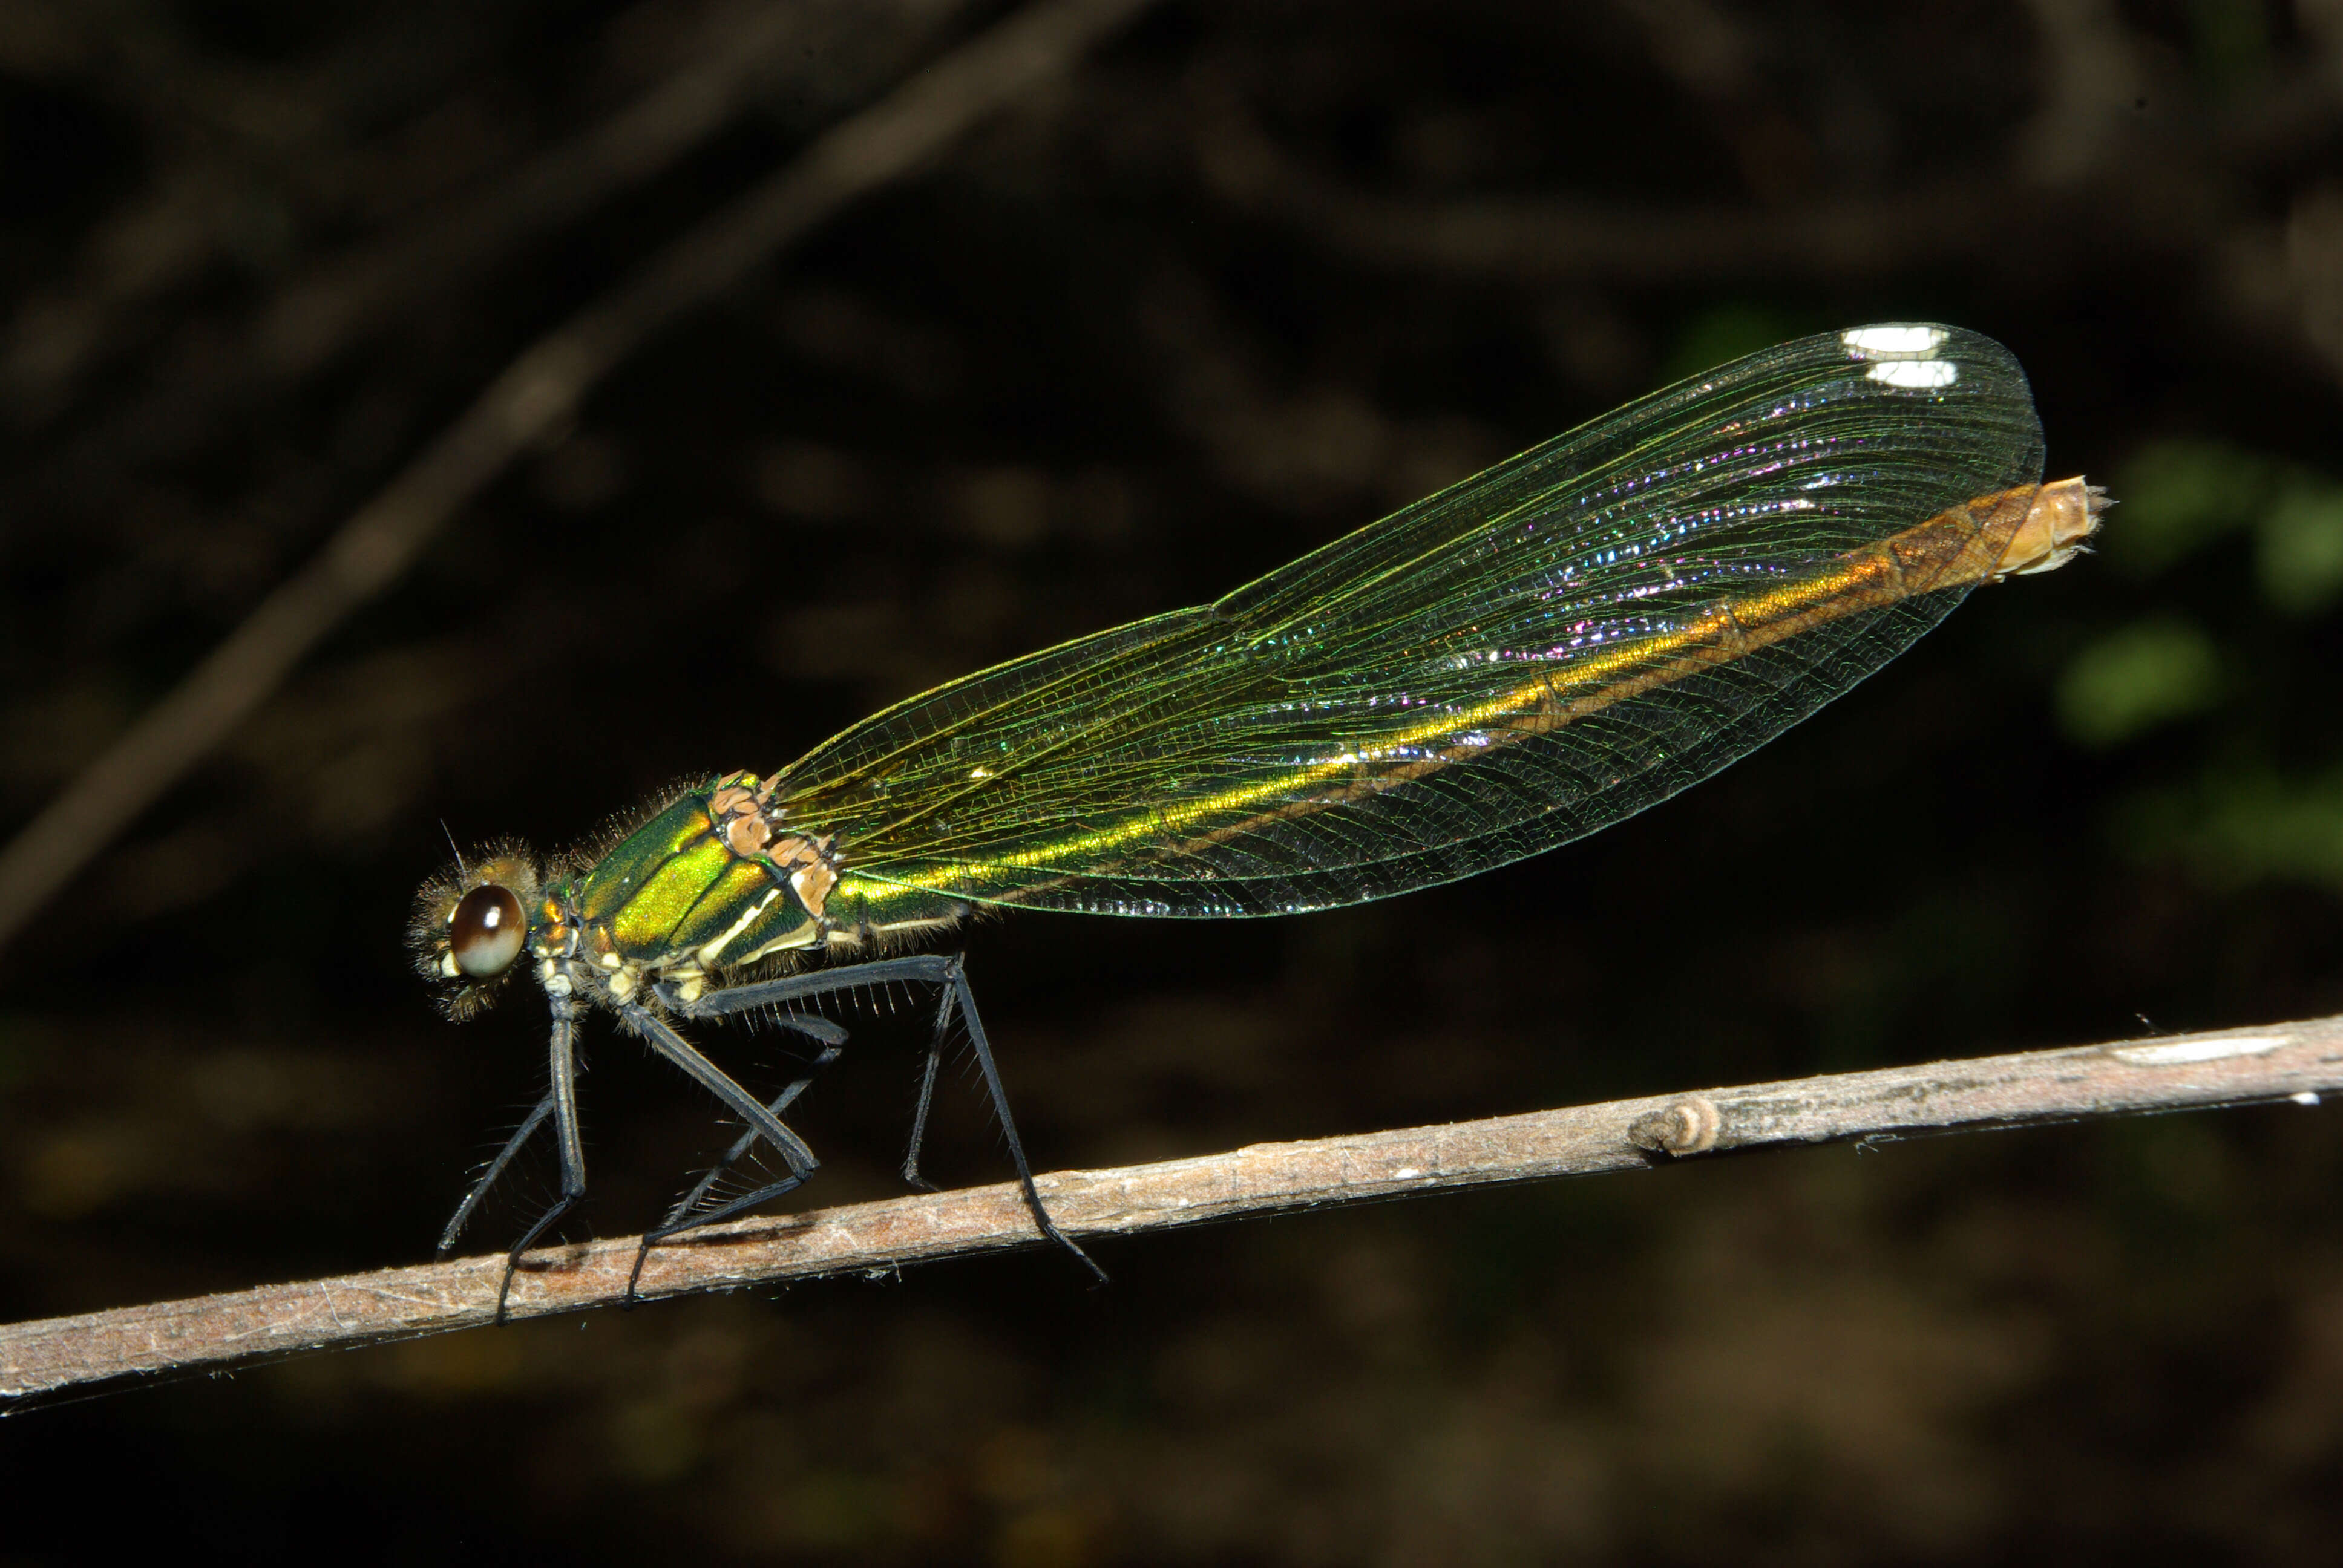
{"x": 1688, "y": 1126}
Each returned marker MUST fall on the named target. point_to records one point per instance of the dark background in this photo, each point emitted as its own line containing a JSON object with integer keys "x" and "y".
{"x": 1252, "y": 275}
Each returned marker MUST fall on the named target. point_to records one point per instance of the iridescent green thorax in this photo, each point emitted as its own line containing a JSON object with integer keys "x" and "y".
{"x": 718, "y": 878}
{"x": 706, "y": 882}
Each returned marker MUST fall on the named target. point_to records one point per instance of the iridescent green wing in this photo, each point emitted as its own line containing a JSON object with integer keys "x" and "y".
{"x": 1381, "y": 715}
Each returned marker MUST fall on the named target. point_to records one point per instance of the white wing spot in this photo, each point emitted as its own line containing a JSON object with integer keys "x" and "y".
{"x": 1893, "y": 342}
{"x": 1917, "y": 375}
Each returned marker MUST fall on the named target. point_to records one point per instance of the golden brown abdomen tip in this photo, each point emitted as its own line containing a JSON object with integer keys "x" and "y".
{"x": 2065, "y": 513}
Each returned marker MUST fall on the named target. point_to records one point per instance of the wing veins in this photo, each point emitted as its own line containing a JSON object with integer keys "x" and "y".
{"x": 1871, "y": 579}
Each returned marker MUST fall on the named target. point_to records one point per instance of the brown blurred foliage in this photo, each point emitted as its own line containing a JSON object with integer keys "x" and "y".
{"x": 1254, "y": 275}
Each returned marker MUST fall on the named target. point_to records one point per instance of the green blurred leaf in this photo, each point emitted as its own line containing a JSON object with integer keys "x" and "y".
{"x": 2301, "y": 556}
{"x": 2243, "y": 825}
{"x": 2135, "y": 678}
{"x": 2180, "y": 495}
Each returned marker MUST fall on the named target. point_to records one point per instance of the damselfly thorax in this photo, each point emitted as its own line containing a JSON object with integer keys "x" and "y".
{"x": 717, "y": 879}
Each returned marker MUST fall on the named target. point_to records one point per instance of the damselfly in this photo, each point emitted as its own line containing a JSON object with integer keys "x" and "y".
{"x": 1529, "y": 655}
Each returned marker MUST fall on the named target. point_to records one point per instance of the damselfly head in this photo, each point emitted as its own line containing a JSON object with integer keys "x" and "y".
{"x": 472, "y": 925}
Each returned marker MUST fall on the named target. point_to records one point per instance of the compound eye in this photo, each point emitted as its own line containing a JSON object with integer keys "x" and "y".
{"x": 485, "y": 933}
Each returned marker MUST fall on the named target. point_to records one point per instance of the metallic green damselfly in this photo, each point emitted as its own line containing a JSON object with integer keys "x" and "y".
{"x": 1529, "y": 656}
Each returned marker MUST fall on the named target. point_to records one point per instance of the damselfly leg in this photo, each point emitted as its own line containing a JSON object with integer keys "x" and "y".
{"x": 948, "y": 971}
{"x": 561, "y": 1099}
{"x": 683, "y": 1216}
{"x": 496, "y": 1170}
{"x": 559, "y": 1105}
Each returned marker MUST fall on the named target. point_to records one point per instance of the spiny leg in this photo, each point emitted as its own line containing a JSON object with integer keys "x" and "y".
{"x": 664, "y": 1039}
{"x": 936, "y": 968}
{"x": 763, "y": 1122}
{"x": 819, "y": 1028}
{"x": 932, "y": 967}
{"x": 833, "y": 1038}
{"x": 774, "y": 993}
{"x": 966, "y": 997}
{"x": 935, "y": 1057}
{"x": 676, "y": 1223}
{"x": 564, "y": 1097}
{"x": 528, "y": 1129}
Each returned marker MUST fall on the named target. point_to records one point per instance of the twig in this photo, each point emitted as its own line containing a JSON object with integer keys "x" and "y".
{"x": 311, "y": 322}
{"x": 535, "y": 398}
{"x": 2293, "y": 1060}
{"x": 1544, "y": 239}
{"x": 751, "y": 54}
